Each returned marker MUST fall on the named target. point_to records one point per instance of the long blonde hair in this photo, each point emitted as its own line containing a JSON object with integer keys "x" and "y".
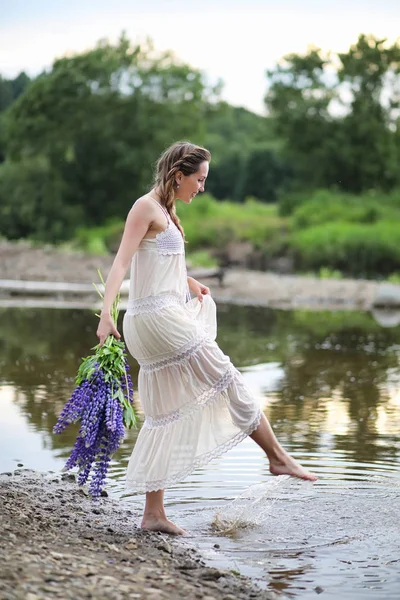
{"x": 181, "y": 156}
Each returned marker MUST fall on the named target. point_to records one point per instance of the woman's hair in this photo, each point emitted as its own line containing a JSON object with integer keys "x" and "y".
{"x": 181, "y": 156}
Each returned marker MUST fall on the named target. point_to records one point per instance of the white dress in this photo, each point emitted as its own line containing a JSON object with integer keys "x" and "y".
{"x": 195, "y": 402}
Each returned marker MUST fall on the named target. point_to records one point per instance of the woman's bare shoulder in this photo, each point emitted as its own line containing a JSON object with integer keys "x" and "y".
{"x": 144, "y": 205}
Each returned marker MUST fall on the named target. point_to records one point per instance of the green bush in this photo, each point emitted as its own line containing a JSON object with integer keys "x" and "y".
{"x": 325, "y": 206}
{"x": 290, "y": 201}
{"x": 394, "y": 278}
{"x": 355, "y": 249}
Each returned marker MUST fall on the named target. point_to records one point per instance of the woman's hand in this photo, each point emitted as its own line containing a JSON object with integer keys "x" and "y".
{"x": 106, "y": 327}
{"x": 198, "y": 288}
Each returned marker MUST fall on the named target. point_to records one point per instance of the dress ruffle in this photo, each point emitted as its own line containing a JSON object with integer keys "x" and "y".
{"x": 170, "y": 447}
{"x": 195, "y": 401}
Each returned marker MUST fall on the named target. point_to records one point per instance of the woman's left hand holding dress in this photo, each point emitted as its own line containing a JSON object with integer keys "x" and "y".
{"x": 199, "y": 289}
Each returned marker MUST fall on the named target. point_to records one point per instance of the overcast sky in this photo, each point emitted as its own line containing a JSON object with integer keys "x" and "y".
{"x": 232, "y": 40}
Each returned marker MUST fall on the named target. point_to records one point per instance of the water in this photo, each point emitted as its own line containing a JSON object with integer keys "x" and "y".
{"x": 329, "y": 383}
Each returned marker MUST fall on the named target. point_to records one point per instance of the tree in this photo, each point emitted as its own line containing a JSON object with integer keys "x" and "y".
{"x": 10, "y": 89}
{"x": 265, "y": 175}
{"x": 333, "y": 141}
{"x": 32, "y": 202}
{"x": 6, "y": 93}
{"x": 370, "y": 70}
{"x": 298, "y": 100}
{"x": 225, "y": 179}
{"x": 101, "y": 118}
{"x": 233, "y": 135}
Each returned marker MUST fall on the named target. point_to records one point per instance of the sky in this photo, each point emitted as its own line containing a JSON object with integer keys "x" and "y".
{"x": 235, "y": 41}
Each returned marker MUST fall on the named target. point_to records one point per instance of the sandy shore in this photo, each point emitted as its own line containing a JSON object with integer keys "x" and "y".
{"x": 57, "y": 543}
{"x": 20, "y": 261}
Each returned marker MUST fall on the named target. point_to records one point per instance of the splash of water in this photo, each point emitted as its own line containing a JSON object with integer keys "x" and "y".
{"x": 252, "y": 508}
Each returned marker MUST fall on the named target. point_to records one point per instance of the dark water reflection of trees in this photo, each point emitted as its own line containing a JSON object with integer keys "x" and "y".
{"x": 345, "y": 355}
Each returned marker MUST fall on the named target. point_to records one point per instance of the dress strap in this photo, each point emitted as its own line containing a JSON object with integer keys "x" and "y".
{"x": 166, "y": 213}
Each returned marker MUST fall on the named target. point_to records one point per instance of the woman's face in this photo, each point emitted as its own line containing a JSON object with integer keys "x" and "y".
{"x": 191, "y": 185}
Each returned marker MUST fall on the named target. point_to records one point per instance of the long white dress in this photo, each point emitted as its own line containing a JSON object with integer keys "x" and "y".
{"x": 195, "y": 402}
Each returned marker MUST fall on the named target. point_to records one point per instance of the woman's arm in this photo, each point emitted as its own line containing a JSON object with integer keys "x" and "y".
{"x": 138, "y": 221}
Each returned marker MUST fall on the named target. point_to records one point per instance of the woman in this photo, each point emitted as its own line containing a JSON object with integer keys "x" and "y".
{"x": 195, "y": 403}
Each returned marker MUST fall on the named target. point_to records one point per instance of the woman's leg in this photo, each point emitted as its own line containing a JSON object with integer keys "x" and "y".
{"x": 154, "y": 517}
{"x": 280, "y": 462}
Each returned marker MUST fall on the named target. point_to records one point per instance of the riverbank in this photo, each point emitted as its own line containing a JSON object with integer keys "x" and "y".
{"x": 22, "y": 262}
{"x": 57, "y": 543}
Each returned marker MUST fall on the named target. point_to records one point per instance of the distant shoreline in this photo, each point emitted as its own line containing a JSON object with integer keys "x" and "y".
{"x": 20, "y": 262}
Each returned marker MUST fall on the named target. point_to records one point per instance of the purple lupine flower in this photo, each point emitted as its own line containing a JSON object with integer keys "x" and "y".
{"x": 110, "y": 412}
{"x": 102, "y": 463}
{"x": 93, "y": 413}
{"x": 102, "y": 429}
{"x": 103, "y": 403}
{"x": 126, "y": 382}
{"x": 87, "y": 458}
{"x": 118, "y": 432}
{"x": 73, "y": 408}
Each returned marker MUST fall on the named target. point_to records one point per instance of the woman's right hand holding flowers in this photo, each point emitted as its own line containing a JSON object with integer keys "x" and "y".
{"x": 106, "y": 327}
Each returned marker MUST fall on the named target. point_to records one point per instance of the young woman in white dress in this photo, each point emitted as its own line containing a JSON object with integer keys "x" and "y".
{"x": 195, "y": 402}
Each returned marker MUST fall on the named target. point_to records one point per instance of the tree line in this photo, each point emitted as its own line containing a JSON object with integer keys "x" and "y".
{"x": 79, "y": 141}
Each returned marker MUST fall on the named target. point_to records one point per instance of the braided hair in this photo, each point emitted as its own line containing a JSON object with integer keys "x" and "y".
{"x": 181, "y": 156}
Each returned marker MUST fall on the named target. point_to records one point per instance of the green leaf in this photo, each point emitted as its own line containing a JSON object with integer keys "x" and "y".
{"x": 130, "y": 418}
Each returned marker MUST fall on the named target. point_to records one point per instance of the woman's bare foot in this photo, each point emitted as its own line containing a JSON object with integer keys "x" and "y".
{"x": 152, "y": 523}
{"x": 286, "y": 465}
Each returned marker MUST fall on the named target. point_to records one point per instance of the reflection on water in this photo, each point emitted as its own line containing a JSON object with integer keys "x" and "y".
{"x": 329, "y": 383}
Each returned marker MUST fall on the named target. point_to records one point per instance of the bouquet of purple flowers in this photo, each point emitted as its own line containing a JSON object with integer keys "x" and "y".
{"x": 103, "y": 403}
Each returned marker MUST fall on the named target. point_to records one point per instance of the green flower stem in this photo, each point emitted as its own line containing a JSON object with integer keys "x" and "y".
{"x": 110, "y": 357}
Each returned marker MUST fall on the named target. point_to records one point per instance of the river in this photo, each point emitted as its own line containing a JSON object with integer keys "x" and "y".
{"x": 330, "y": 384}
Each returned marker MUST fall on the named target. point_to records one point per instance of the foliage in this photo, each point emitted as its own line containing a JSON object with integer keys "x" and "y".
{"x": 332, "y": 235}
{"x": 245, "y": 155}
{"x": 99, "y": 240}
{"x": 224, "y": 222}
{"x": 265, "y": 175}
{"x": 207, "y": 224}
{"x": 394, "y": 278}
{"x": 328, "y": 273}
{"x": 235, "y": 128}
{"x": 10, "y": 89}
{"x": 201, "y": 258}
{"x": 356, "y": 249}
{"x": 324, "y": 206}
{"x": 100, "y": 118}
{"x": 32, "y": 202}
{"x": 351, "y": 144}
{"x": 356, "y": 235}
{"x": 77, "y": 146}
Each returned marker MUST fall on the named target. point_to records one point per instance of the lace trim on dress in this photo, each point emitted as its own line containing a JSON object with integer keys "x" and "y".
{"x": 161, "y": 484}
{"x": 184, "y": 354}
{"x": 170, "y": 241}
{"x": 193, "y": 405}
{"x": 152, "y": 304}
